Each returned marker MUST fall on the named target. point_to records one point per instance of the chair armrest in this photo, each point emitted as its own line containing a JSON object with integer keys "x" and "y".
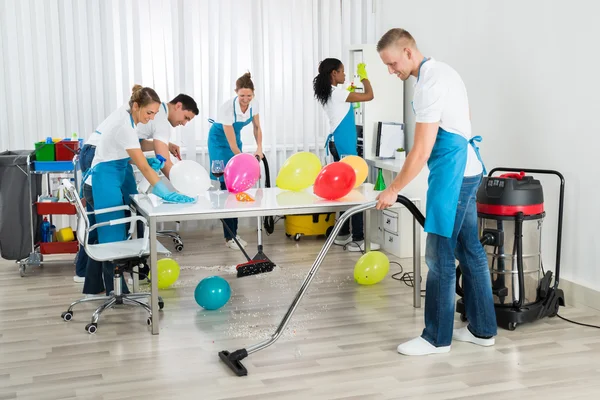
{"x": 119, "y": 221}
{"x": 111, "y": 209}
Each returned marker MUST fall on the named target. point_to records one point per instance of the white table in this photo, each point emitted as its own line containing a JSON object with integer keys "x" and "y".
{"x": 268, "y": 201}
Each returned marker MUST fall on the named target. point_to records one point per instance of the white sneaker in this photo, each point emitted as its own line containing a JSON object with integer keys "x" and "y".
{"x": 79, "y": 279}
{"x": 360, "y": 246}
{"x": 242, "y": 241}
{"x": 420, "y": 347}
{"x": 233, "y": 245}
{"x": 342, "y": 240}
{"x": 464, "y": 335}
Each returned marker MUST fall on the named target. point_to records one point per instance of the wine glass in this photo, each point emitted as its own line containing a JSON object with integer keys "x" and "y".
{"x": 218, "y": 169}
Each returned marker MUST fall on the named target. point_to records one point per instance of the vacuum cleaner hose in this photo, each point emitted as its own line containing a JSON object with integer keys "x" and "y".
{"x": 268, "y": 221}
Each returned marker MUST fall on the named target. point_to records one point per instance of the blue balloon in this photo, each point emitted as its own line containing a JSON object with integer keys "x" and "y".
{"x": 212, "y": 293}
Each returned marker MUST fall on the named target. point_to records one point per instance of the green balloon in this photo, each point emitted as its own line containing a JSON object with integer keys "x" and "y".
{"x": 168, "y": 272}
{"x": 371, "y": 268}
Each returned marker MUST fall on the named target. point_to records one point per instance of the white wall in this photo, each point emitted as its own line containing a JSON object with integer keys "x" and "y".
{"x": 532, "y": 71}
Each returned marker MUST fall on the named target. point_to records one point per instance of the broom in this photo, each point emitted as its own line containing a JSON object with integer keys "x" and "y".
{"x": 251, "y": 267}
{"x": 260, "y": 263}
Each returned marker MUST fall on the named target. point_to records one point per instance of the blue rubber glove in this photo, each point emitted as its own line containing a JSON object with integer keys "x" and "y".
{"x": 156, "y": 163}
{"x": 161, "y": 190}
{"x": 174, "y": 197}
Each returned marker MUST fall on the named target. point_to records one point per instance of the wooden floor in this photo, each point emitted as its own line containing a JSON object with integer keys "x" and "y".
{"x": 340, "y": 344}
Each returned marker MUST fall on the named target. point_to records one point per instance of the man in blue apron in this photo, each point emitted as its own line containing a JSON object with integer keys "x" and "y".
{"x": 443, "y": 140}
{"x": 225, "y": 139}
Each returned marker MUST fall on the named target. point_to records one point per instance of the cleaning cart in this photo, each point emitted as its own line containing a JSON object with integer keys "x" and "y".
{"x": 19, "y": 189}
{"x": 21, "y": 213}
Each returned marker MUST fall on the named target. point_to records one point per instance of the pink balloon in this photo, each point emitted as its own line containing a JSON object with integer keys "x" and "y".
{"x": 241, "y": 172}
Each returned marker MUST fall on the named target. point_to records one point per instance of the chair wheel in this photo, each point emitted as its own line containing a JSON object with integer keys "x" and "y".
{"x": 179, "y": 247}
{"x": 91, "y": 328}
{"x": 175, "y": 240}
{"x": 149, "y": 321}
{"x": 67, "y": 315}
{"x": 297, "y": 236}
{"x": 161, "y": 305}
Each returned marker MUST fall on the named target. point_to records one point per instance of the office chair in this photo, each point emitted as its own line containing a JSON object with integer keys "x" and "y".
{"x": 126, "y": 255}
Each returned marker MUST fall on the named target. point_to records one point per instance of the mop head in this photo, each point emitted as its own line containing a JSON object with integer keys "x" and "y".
{"x": 254, "y": 267}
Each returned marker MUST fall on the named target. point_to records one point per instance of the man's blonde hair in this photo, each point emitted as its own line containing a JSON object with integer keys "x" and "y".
{"x": 392, "y": 37}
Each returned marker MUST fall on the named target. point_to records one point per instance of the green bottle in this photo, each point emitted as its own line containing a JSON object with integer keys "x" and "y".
{"x": 380, "y": 184}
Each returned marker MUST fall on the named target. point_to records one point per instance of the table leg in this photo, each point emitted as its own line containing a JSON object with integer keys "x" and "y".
{"x": 367, "y": 231}
{"x": 136, "y": 280}
{"x": 136, "y": 269}
{"x": 154, "y": 274}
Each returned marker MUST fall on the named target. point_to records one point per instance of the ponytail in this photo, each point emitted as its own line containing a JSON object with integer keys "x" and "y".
{"x": 322, "y": 82}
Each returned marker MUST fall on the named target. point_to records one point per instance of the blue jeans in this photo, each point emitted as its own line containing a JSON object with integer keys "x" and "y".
{"x": 440, "y": 256}
{"x": 86, "y": 156}
{"x": 232, "y": 223}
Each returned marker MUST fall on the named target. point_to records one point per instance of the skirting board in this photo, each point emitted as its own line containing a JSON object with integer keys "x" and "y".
{"x": 577, "y": 294}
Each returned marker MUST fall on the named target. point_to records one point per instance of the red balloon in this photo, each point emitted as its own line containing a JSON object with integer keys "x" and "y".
{"x": 334, "y": 181}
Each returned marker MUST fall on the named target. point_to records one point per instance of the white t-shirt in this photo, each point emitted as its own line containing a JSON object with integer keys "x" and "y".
{"x": 337, "y": 107}
{"x": 225, "y": 114}
{"x": 441, "y": 96}
{"x": 117, "y": 135}
{"x": 159, "y": 128}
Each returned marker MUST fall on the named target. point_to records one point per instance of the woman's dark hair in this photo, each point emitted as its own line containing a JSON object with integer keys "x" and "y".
{"x": 244, "y": 82}
{"x": 322, "y": 82}
{"x": 142, "y": 96}
{"x": 187, "y": 103}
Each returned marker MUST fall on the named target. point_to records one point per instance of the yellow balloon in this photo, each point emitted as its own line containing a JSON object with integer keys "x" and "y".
{"x": 299, "y": 171}
{"x": 371, "y": 268}
{"x": 168, "y": 272}
{"x": 360, "y": 168}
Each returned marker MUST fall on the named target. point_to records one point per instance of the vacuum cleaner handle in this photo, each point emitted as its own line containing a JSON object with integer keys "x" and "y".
{"x": 560, "y": 208}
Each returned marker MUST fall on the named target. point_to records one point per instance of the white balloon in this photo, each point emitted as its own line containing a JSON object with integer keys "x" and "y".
{"x": 189, "y": 178}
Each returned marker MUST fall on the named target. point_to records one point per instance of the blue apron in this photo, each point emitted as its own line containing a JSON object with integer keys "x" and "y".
{"x": 344, "y": 136}
{"x": 446, "y": 164}
{"x": 113, "y": 182}
{"x": 218, "y": 146}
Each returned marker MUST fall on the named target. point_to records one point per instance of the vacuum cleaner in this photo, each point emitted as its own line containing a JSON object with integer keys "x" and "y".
{"x": 510, "y": 210}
